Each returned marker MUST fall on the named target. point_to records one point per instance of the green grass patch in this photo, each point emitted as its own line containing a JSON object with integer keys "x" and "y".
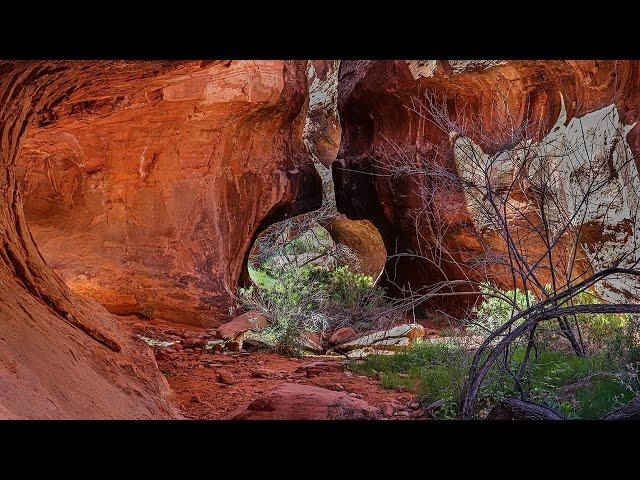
{"x": 438, "y": 371}
{"x": 602, "y": 396}
{"x": 261, "y": 278}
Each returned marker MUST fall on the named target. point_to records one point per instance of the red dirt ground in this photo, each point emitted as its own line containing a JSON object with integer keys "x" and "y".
{"x": 195, "y": 377}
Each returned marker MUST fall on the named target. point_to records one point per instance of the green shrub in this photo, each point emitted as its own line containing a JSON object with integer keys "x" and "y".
{"x": 597, "y": 329}
{"x": 494, "y": 311}
{"x": 435, "y": 371}
{"x": 312, "y": 298}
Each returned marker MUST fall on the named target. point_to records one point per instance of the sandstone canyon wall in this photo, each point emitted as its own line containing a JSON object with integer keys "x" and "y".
{"x": 147, "y": 195}
{"x": 61, "y": 355}
{"x": 381, "y": 126}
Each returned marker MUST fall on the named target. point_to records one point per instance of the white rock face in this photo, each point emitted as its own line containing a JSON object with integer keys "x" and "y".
{"x": 322, "y": 125}
{"x": 589, "y": 167}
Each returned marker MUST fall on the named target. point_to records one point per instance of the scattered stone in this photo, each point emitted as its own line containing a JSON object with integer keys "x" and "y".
{"x": 248, "y": 321}
{"x": 414, "y": 406}
{"x": 251, "y": 344}
{"x": 226, "y": 378}
{"x": 265, "y": 373}
{"x": 234, "y": 346}
{"x": 432, "y": 407}
{"x": 401, "y": 413}
{"x": 316, "y": 368}
{"x": 154, "y": 342}
{"x": 210, "y": 344}
{"x": 161, "y": 354}
{"x": 225, "y": 360}
{"x": 313, "y": 343}
{"x": 342, "y": 335}
{"x": 387, "y": 410}
{"x": 339, "y": 387}
{"x": 191, "y": 343}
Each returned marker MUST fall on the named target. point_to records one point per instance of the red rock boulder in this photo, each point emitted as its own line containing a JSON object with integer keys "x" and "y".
{"x": 291, "y": 401}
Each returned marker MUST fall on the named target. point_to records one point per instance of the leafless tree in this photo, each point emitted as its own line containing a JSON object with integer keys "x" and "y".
{"x": 535, "y": 196}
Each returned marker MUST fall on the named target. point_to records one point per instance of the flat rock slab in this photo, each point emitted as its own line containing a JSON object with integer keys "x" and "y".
{"x": 394, "y": 338}
{"x": 291, "y": 401}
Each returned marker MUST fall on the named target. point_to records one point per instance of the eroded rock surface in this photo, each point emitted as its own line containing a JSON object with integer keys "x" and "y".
{"x": 381, "y": 126}
{"x": 61, "y": 356}
{"x": 146, "y": 192}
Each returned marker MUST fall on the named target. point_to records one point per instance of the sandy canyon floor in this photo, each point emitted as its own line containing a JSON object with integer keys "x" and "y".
{"x": 216, "y": 386}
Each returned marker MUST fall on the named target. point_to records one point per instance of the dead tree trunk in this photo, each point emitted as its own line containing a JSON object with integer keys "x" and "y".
{"x": 516, "y": 409}
{"x": 628, "y": 411}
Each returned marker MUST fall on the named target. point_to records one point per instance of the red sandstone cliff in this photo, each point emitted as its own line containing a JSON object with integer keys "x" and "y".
{"x": 145, "y": 191}
{"x": 373, "y": 101}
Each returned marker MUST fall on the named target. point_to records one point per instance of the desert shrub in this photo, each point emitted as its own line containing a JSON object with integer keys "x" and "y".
{"x": 313, "y": 298}
{"x": 599, "y": 329}
{"x": 437, "y": 371}
{"x": 352, "y": 298}
{"x": 494, "y": 311}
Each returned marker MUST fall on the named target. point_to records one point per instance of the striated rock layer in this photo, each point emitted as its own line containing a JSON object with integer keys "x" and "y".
{"x": 380, "y": 126}
{"x": 146, "y": 191}
{"x": 61, "y": 356}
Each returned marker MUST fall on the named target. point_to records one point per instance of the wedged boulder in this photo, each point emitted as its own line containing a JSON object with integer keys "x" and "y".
{"x": 247, "y": 321}
{"x": 291, "y": 401}
{"x": 395, "y": 338}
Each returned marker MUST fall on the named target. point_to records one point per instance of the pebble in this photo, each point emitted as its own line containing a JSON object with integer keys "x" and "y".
{"x": 226, "y": 378}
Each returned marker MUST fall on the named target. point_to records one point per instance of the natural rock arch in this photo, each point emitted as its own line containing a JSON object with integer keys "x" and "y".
{"x": 61, "y": 354}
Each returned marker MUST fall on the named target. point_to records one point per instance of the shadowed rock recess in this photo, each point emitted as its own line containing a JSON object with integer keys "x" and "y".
{"x": 145, "y": 183}
{"x": 146, "y": 194}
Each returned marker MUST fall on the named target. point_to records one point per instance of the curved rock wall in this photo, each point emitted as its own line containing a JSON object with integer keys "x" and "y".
{"x": 146, "y": 194}
{"x": 61, "y": 356}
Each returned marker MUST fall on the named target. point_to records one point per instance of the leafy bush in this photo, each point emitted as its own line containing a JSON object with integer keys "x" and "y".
{"x": 312, "y": 298}
{"x": 598, "y": 329}
{"x": 495, "y": 311}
